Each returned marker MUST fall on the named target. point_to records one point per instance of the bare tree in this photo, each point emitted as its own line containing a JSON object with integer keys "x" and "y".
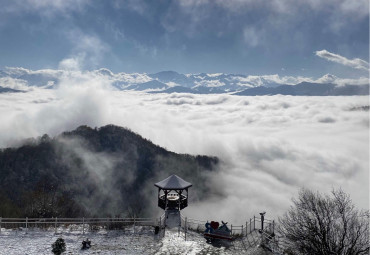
{"x": 322, "y": 224}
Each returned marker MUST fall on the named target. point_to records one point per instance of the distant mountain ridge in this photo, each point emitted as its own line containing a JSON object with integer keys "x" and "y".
{"x": 307, "y": 89}
{"x": 9, "y": 90}
{"x": 203, "y": 83}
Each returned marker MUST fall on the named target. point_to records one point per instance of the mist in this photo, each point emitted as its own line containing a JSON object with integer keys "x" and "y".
{"x": 269, "y": 146}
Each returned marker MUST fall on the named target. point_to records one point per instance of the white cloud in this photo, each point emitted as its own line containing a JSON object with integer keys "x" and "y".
{"x": 56, "y": 4}
{"x": 354, "y": 9}
{"x": 269, "y": 146}
{"x": 261, "y": 80}
{"x": 209, "y": 83}
{"x": 87, "y": 51}
{"x": 214, "y": 74}
{"x": 329, "y": 78}
{"x": 14, "y": 83}
{"x": 354, "y": 63}
{"x": 133, "y": 78}
{"x": 71, "y": 64}
{"x": 260, "y": 23}
{"x": 252, "y": 36}
{"x": 172, "y": 84}
{"x": 45, "y": 8}
{"x": 357, "y": 9}
{"x": 138, "y": 6}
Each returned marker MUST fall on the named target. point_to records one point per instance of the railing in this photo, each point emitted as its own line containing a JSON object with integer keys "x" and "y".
{"x": 92, "y": 224}
{"x": 266, "y": 237}
{"x": 87, "y": 223}
{"x": 236, "y": 230}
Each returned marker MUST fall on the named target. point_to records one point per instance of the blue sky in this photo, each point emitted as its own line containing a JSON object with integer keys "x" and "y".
{"x": 285, "y": 37}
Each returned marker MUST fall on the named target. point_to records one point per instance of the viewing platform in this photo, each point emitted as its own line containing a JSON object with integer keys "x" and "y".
{"x": 173, "y": 193}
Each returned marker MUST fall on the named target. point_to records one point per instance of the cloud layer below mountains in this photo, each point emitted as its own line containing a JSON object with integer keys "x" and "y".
{"x": 270, "y": 146}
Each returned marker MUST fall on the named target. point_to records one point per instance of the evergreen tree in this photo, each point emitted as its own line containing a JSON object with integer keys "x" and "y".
{"x": 59, "y": 246}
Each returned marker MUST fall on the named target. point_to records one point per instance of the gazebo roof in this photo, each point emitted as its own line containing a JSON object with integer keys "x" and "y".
{"x": 173, "y": 182}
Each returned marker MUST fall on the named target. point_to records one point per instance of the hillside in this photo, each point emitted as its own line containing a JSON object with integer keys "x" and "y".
{"x": 92, "y": 172}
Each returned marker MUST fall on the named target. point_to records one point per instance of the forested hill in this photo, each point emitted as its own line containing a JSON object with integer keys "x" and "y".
{"x": 105, "y": 171}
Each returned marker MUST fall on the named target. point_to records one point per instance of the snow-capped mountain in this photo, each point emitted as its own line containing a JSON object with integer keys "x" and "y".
{"x": 202, "y": 83}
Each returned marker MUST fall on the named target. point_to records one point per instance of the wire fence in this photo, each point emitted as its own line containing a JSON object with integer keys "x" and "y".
{"x": 93, "y": 224}
{"x": 267, "y": 226}
{"x": 83, "y": 224}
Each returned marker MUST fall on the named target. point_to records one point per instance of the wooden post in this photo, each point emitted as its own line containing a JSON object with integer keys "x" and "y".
{"x": 231, "y": 229}
{"x": 55, "y": 226}
{"x": 26, "y": 224}
{"x": 0, "y": 223}
{"x": 186, "y": 225}
{"x": 242, "y": 230}
{"x": 165, "y": 200}
{"x": 134, "y": 223}
{"x": 164, "y": 225}
{"x": 250, "y": 225}
{"x": 254, "y": 222}
{"x": 83, "y": 225}
{"x": 273, "y": 226}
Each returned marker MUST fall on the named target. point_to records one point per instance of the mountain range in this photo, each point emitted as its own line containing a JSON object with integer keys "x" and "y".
{"x": 173, "y": 82}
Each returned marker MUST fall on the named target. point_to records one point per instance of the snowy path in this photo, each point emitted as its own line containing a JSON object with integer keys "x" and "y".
{"x": 143, "y": 241}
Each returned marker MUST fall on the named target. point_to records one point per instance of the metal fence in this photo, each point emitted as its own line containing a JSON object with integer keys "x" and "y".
{"x": 236, "y": 230}
{"x": 91, "y": 224}
{"x": 87, "y": 224}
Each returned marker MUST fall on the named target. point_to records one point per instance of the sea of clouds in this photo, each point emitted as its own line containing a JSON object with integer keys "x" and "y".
{"x": 269, "y": 146}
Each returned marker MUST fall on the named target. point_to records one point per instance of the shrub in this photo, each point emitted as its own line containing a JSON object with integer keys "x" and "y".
{"x": 59, "y": 246}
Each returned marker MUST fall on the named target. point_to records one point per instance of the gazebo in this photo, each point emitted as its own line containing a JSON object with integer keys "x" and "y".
{"x": 171, "y": 195}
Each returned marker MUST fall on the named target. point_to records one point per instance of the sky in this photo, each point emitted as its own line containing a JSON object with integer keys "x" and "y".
{"x": 286, "y": 37}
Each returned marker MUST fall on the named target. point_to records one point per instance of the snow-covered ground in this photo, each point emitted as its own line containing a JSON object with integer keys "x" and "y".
{"x": 141, "y": 241}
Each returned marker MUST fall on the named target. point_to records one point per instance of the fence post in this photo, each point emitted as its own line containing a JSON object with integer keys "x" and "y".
{"x": 273, "y": 226}
{"x": 0, "y": 223}
{"x": 250, "y": 225}
{"x": 246, "y": 228}
{"x": 83, "y": 225}
{"x": 231, "y": 229}
{"x": 242, "y": 230}
{"x": 186, "y": 225}
{"x": 55, "y": 226}
{"x": 164, "y": 226}
{"x": 254, "y": 222}
{"x": 134, "y": 223}
{"x": 26, "y": 224}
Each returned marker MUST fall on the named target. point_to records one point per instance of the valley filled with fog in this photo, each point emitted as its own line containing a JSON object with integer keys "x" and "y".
{"x": 269, "y": 146}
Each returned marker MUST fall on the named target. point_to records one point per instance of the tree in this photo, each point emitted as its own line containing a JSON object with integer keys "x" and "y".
{"x": 59, "y": 246}
{"x": 323, "y": 224}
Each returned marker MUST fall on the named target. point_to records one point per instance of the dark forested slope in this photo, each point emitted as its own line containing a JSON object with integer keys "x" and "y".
{"x": 91, "y": 172}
